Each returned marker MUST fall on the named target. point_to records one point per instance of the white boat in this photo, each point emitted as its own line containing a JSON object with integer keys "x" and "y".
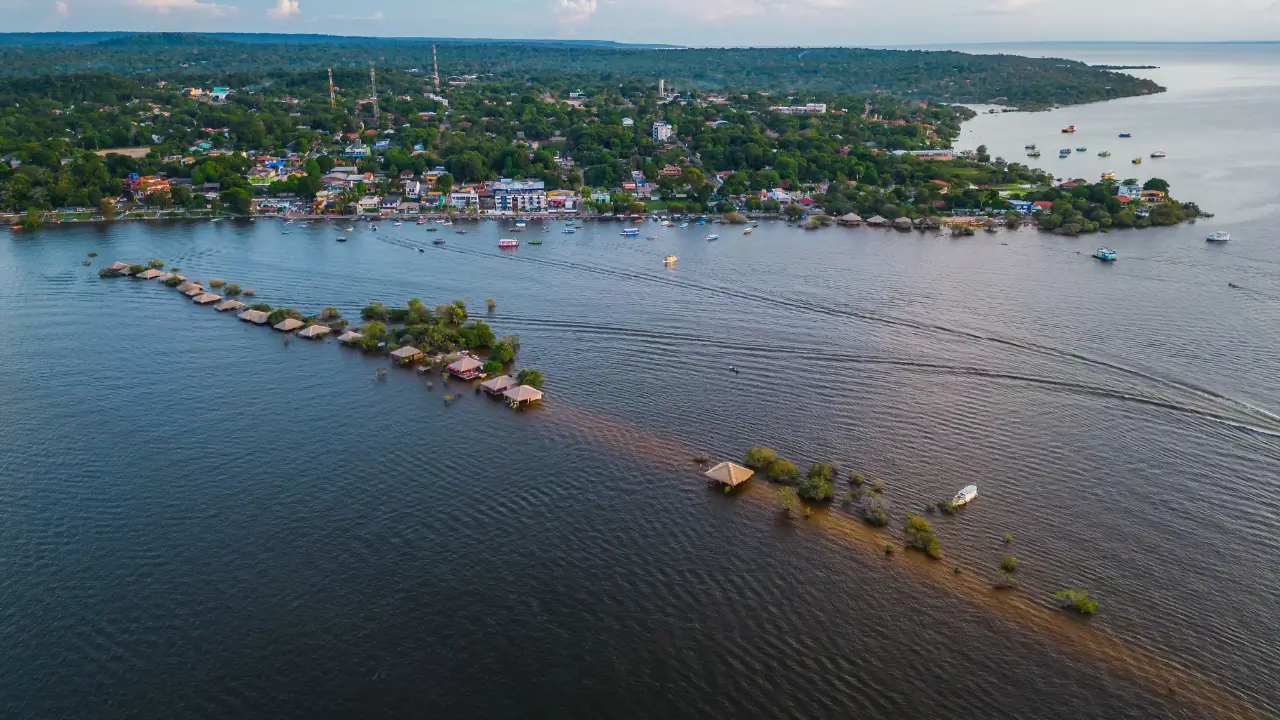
{"x": 684, "y": 224}
{"x": 1219, "y": 236}
{"x": 508, "y": 243}
{"x": 712, "y": 237}
{"x": 967, "y": 493}
{"x": 631, "y": 232}
{"x": 1159, "y": 154}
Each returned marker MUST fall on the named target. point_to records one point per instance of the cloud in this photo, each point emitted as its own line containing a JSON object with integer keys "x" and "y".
{"x": 285, "y": 9}
{"x": 166, "y": 6}
{"x": 60, "y": 6}
{"x": 575, "y": 11}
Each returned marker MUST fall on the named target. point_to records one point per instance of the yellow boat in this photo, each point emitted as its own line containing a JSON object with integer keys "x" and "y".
{"x": 669, "y": 260}
{"x": 1110, "y": 175}
{"x": 1137, "y": 161}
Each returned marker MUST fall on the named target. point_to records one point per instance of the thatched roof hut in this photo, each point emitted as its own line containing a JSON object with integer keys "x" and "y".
{"x": 731, "y": 474}
{"x": 194, "y": 291}
{"x": 902, "y": 223}
{"x": 522, "y": 394}
{"x": 499, "y": 385}
{"x": 314, "y": 331}
{"x": 206, "y": 298}
{"x": 349, "y": 336}
{"x": 257, "y": 317}
{"x": 288, "y": 325}
{"x": 150, "y": 274}
{"x": 406, "y": 354}
{"x": 850, "y": 219}
{"x": 877, "y": 220}
{"x": 118, "y": 266}
{"x": 465, "y": 368}
{"x": 226, "y": 305}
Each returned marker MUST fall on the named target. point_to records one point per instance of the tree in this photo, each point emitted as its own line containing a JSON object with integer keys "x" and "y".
{"x": 532, "y": 378}
{"x": 1156, "y": 183}
{"x": 236, "y": 200}
{"x": 444, "y": 183}
{"x": 759, "y": 457}
{"x": 794, "y": 211}
{"x": 106, "y": 209}
{"x": 783, "y": 471}
{"x": 920, "y": 536}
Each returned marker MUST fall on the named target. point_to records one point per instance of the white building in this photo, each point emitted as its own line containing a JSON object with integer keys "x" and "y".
{"x": 816, "y": 108}
{"x": 528, "y": 196}
{"x": 628, "y": 122}
{"x": 662, "y": 131}
{"x": 464, "y": 198}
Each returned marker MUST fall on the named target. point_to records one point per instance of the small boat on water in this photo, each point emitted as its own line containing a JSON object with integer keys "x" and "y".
{"x": 1104, "y": 153}
{"x": 1137, "y": 161}
{"x": 1105, "y": 254}
{"x": 342, "y": 238}
{"x": 630, "y": 232}
{"x": 1069, "y": 129}
{"x": 433, "y": 229}
{"x": 568, "y": 231}
{"x": 1126, "y": 135}
{"x": 1082, "y": 149}
{"x": 1030, "y": 146}
{"x": 669, "y": 260}
{"x": 508, "y": 243}
{"x": 421, "y": 222}
{"x": 1218, "y": 236}
{"x": 1159, "y": 154}
{"x": 398, "y": 224}
{"x": 747, "y": 231}
{"x": 1034, "y": 153}
{"x": 712, "y": 237}
{"x": 684, "y": 224}
{"x": 1109, "y": 175}
{"x": 966, "y": 494}
{"x": 536, "y": 241}
{"x": 421, "y": 250}
{"x": 438, "y": 241}
{"x": 459, "y": 232}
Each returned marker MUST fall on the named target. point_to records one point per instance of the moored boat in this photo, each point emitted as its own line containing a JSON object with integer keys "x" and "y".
{"x": 1082, "y": 149}
{"x": 1159, "y": 154}
{"x": 1137, "y": 161}
{"x": 1069, "y": 129}
{"x": 1105, "y": 254}
{"x": 1104, "y": 153}
{"x": 438, "y": 241}
{"x": 669, "y": 260}
{"x": 536, "y": 241}
{"x": 712, "y": 237}
{"x": 1218, "y": 236}
{"x": 508, "y": 243}
{"x": 1126, "y": 135}
{"x": 630, "y": 232}
{"x": 747, "y": 231}
{"x": 966, "y": 494}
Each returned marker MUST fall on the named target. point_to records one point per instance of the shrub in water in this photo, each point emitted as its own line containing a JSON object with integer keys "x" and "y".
{"x": 783, "y": 471}
{"x": 1078, "y": 600}
{"x": 759, "y": 457}
{"x": 875, "y": 515}
{"x": 1009, "y": 563}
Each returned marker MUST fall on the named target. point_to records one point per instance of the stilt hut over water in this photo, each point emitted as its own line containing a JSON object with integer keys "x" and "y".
{"x": 206, "y": 298}
{"x": 227, "y": 305}
{"x": 257, "y": 317}
{"x": 522, "y": 395}
{"x": 150, "y": 274}
{"x": 731, "y": 474}
{"x": 288, "y": 325}
{"x": 118, "y": 266}
{"x": 312, "y": 332}
{"x": 467, "y": 368}
{"x": 349, "y": 337}
{"x": 877, "y": 221}
{"x": 850, "y": 219}
{"x": 406, "y": 354}
{"x": 498, "y": 385}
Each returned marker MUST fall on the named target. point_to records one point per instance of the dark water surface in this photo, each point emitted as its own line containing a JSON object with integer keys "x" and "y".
{"x": 197, "y": 519}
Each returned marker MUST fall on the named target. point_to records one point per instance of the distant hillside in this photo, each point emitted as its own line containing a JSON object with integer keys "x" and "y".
{"x": 915, "y": 74}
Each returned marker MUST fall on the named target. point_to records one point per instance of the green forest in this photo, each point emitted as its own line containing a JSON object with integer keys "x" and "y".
{"x": 927, "y": 75}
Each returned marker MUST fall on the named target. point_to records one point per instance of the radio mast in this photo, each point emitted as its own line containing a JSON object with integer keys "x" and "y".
{"x": 373, "y": 85}
{"x": 333, "y": 102}
{"x": 435, "y": 68}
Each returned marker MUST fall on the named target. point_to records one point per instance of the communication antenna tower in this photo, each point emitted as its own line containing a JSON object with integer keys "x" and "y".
{"x": 333, "y": 102}
{"x": 435, "y": 68}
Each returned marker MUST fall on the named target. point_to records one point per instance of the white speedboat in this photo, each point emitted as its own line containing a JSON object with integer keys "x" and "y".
{"x": 1219, "y": 236}
{"x": 966, "y": 494}
{"x": 1159, "y": 154}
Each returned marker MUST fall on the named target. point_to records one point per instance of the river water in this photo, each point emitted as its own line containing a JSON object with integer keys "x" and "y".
{"x": 198, "y": 519}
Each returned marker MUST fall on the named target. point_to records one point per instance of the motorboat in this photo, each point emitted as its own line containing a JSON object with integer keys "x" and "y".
{"x": 747, "y": 231}
{"x": 1029, "y": 146}
{"x": 459, "y": 232}
{"x": 1109, "y": 175}
{"x": 421, "y": 250}
{"x": 536, "y": 241}
{"x": 684, "y": 224}
{"x": 1082, "y": 149}
{"x": 1126, "y": 135}
{"x": 1137, "y": 161}
{"x": 508, "y": 243}
{"x": 1105, "y": 254}
{"x": 1069, "y": 129}
{"x": 1064, "y": 151}
{"x": 712, "y": 237}
{"x": 630, "y": 232}
{"x": 1104, "y": 153}
{"x": 398, "y": 224}
{"x": 433, "y": 229}
{"x": 1159, "y": 154}
{"x": 342, "y": 238}
{"x": 966, "y": 494}
{"x": 568, "y": 231}
{"x": 1034, "y": 153}
{"x": 438, "y": 241}
{"x": 669, "y": 260}
{"x": 1218, "y": 236}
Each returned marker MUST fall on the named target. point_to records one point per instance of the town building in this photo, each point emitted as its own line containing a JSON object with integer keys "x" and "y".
{"x": 526, "y": 196}
{"x": 662, "y": 132}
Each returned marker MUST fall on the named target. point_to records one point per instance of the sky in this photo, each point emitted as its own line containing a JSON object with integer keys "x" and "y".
{"x": 712, "y": 23}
